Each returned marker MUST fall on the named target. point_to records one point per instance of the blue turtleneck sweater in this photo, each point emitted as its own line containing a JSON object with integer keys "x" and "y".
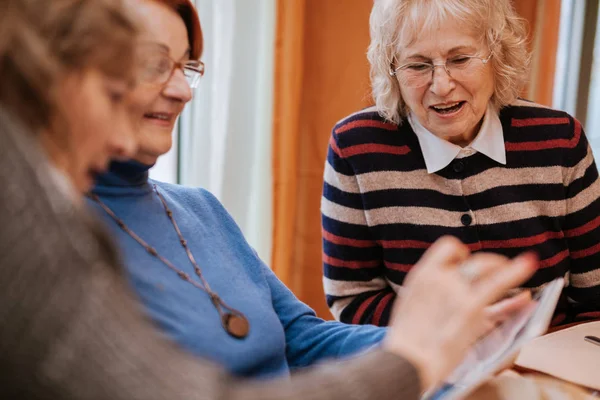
{"x": 284, "y": 332}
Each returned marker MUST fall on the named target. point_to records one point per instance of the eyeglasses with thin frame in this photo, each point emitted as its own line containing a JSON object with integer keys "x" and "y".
{"x": 459, "y": 67}
{"x": 158, "y": 67}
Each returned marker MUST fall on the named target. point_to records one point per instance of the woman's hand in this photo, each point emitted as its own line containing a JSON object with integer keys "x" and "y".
{"x": 447, "y": 305}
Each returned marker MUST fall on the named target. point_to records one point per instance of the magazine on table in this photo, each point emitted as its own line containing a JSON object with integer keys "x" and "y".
{"x": 497, "y": 349}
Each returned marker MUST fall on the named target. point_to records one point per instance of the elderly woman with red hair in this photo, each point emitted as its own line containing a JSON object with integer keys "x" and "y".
{"x": 189, "y": 263}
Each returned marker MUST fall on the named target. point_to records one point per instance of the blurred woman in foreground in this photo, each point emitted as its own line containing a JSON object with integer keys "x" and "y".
{"x": 69, "y": 327}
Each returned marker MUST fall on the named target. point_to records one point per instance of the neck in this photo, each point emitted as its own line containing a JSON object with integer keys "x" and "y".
{"x": 124, "y": 177}
{"x": 468, "y": 137}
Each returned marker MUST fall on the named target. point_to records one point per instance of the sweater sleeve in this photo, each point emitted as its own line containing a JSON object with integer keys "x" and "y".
{"x": 310, "y": 339}
{"x": 353, "y": 270}
{"x": 72, "y": 330}
{"x": 582, "y": 226}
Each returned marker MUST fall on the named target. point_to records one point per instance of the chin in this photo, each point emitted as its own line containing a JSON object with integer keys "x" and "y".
{"x": 155, "y": 143}
{"x": 149, "y": 154}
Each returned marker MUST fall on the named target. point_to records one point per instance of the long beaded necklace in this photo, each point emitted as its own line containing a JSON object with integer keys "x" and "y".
{"x": 233, "y": 321}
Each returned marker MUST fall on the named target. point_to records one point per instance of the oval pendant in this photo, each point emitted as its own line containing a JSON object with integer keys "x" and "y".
{"x": 236, "y": 325}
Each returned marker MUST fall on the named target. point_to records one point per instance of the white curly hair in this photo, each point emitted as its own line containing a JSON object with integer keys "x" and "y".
{"x": 396, "y": 24}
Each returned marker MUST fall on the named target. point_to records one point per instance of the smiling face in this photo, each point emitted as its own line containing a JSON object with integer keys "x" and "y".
{"x": 449, "y": 108}
{"x": 164, "y": 26}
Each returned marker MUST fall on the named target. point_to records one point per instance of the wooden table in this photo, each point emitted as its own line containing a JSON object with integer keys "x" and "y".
{"x": 517, "y": 383}
{"x": 532, "y": 386}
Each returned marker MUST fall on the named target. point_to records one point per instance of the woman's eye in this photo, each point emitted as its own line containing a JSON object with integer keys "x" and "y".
{"x": 458, "y": 61}
{"x": 116, "y": 91}
{"x": 418, "y": 67}
{"x": 116, "y": 97}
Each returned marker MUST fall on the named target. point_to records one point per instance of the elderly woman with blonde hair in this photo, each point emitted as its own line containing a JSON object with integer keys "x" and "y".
{"x": 449, "y": 149}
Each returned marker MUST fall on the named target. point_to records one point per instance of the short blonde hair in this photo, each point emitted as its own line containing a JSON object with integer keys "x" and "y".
{"x": 396, "y": 23}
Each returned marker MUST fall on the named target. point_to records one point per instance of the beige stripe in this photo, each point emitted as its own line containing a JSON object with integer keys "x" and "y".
{"x": 420, "y": 179}
{"x": 414, "y": 216}
{"x": 342, "y": 214}
{"x": 584, "y": 198}
{"x": 486, "y": 180}
{"x": 437, "y": 217}
{"x": 578, "y": 170}
{"x": 397, "y": 288}
{"x": 532, "y": 209}
{"x": 343, "y": 182}
{"x": 586, "y": 280}
{"x": 386, "y": 180}
{"x": 498, "y": 214}
{"x": 352, "y": 288}
{"x": 338, "y": 307}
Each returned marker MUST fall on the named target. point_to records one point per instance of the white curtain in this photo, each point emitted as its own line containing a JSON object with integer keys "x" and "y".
{"x": 224, "y": 142}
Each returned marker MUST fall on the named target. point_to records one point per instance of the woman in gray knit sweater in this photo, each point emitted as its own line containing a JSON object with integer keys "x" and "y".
{"x": 69, "y": 327}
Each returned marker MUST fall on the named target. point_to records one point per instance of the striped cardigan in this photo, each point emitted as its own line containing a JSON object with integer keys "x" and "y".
{"x": 381, "y": 209}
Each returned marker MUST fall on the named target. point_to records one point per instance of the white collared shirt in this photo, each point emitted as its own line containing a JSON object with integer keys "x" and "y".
{"x": 438, "y": 153}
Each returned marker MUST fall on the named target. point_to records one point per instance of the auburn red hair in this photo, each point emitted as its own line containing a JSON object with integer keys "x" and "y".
{"x": 188, "y": 13}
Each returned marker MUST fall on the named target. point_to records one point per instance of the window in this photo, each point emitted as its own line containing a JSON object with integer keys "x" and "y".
{"x": 577, "y": 81}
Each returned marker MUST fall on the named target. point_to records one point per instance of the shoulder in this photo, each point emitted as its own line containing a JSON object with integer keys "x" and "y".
{"x": 192, "y": 197}
{"x": 365, "y": 119}
{"x": 523, "y": 113}
{"x": 525, "y": 120}
{"x": 366, "y": 129}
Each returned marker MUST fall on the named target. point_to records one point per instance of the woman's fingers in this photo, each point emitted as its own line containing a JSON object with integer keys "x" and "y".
{"x": 481, "y": 265}
{"x": 503, "y": 309}
{"x": 446, "y": 251}
{"x": 492, "y": 287}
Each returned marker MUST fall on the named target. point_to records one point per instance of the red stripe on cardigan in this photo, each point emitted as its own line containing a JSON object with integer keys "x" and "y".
{"x": 554, "y": 260}
{"x": 361, "y": 310}
{"x": 380, "y": 307}
{"x": 398, "y": 267}
{"x": 547, "y": 144}
{"x": 522, "y": 242}
{"x": 335, "y": 147}
{"x": 366, "y": 123}
{"x": 558, "y": 319}
{"x": 343, "y": 241}
{"x": 519, "y": 123}
{"x": 374, "y": 148}
{"x": 336, "y": 262}
{"x": 404, "y": 244}
{"x": 585, "y": 252}
{"x": 590, "y": 226}
{"x": 488, "y": 244}
{"x": 591, "y": 314}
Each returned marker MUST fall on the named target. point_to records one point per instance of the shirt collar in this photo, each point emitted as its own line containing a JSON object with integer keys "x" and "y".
{"x": 438, "y": 153}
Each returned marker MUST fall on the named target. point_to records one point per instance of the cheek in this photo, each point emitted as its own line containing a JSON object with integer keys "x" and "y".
{"x": 483, "y": 88}
{"x": 413, "y": 97}
{"x": 100, "y": 123}
{"x": 143, "y": 97}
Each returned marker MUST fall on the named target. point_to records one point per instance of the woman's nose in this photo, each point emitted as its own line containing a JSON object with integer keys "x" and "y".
{"x": 178, "y": 87}
{"x": 441, "y": 82}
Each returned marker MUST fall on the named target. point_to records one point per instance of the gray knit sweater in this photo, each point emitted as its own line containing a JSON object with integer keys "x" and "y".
{"x": 70, "y": 328}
